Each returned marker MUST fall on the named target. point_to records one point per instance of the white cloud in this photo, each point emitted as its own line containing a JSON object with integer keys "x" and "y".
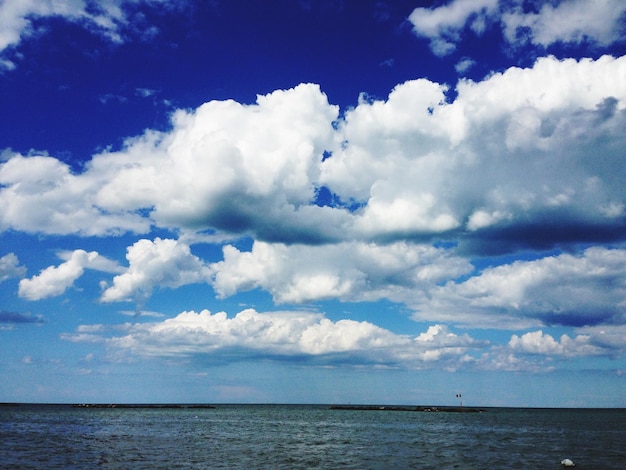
{"x": 444, "y": 24}
{"x": 569, "y": 290}
{"x": 55, "y": 280}
{"x": 312, "y": 338}
{"x": 287, "y": 335}
{"x": 14, "y": 21}
{"x": 491, "y": 158}
{"x": 438, "y": 341}
{"x": 9, "y": 267}
{"x": 571, "y": 21}
{"x": 414, "y": 165}
{"x": 464, "y": 65}
{"x": 537, "y": 342}
{"x": 158, "y": 263}
{"x": 16, "y": 17}
{"x": 347, "y": 271}
{"x": 40, "y": 194}
{"x": 539, "y": 352}
{"x": 104, "y": 17}
{"x": 611, "y": 339}
{"x": 566, "y": 21}
{"x": 227, "y": 166}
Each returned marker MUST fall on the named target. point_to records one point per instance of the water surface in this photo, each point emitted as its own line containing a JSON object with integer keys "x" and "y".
{"x": 307, "y": 436}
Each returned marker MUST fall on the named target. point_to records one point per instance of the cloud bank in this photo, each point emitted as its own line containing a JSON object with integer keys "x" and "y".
{"x": 346, "y": 271}
{"x": 311, "y": 338}
{"x": 566, "y": 290}
{"x": 285, "y": 336}
{"x": 383, "y": 201}
{"x": 487, "y": 166}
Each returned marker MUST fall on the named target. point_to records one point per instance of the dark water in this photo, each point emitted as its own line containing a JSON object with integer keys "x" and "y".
{"x": 273, "y": 436}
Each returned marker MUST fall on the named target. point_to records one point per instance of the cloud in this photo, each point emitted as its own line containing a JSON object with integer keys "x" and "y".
{"x": 141, "y": 313}
{"x": 539, "y": 352}
{"x": 312, "y": 339}
{"x": 247, "y": 168}
{"x": 40, "y": 194}
{"x": 295, "y": 336}
{"x": 563, "y": 21}
{"x": 537, "y": 342}
{"x": 569, "y": 290}
{"x": 443, "y": 25}
{"x": 485, "y": 169}
{"x": 16, "y": 318}
{"x": 55, "y": 280}
{"x": 572, "y": 21}
{"x": 492, "y": 161}
{"x": 14, "y": 18}
{"x": 163, "y": 263}
{"x": 9, "y": 267}
{"x": 346, "y": 271}
{"x": 111, "y": 19}
{"x": 464, "y": 65}
{"x": 226, "y": 166}
{"x": 611, "y": 338}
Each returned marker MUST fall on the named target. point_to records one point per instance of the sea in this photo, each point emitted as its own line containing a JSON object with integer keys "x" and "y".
{"x": 307, "y": 436}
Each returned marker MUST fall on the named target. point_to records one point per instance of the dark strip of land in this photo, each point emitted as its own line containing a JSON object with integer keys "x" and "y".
{"x": 446, "y": 409}
{"x": 125, "y": 405}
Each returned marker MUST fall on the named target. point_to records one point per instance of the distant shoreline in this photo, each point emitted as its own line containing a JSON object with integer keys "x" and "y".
{"x": 361, "y": 407}
{"x": 117, "y": 405}
{"x": 453, "y": 409}
{"x": 127, "y": 405}
{"x": 448, "y": 409}
{"x": 434, "y": 409}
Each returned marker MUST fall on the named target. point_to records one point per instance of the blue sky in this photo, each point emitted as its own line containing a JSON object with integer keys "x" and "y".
{"x": 313, "y": 202}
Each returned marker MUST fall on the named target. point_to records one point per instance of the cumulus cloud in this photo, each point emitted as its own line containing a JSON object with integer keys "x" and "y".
{"x": 225, "y": 166}
{"x": 537, "y": 342}
{"x": 443, "y": 25}
{"x": 349, "y": 271}
{"x": 311, "y": 338}
{"x": 55, "y": 280}
{"x": 40, "y": 194}
{"x": 584, "y": 290}
{"x": 162, "y": 263}
{"x": 491, "y": 161}
{"x": 9, "y": 267}
{"x": 564, "y": 21}
{"x": 486, "y": 167}
{"x": 301, "y": 336}
{"x": 538, "y": 352}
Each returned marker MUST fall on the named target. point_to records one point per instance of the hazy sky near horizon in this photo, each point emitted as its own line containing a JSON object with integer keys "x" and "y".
{"x": 313, "y": 201}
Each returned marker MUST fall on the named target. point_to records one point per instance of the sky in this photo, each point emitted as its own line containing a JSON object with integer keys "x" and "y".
{"x": 326, "y": 201}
